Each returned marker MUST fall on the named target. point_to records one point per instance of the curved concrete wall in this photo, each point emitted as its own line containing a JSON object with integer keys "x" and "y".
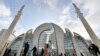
{"x": 60, "y": 38}
{"x": 38, "y": 32}
{"x": 20, "y": 36}
{"x": 59, "y": 34}
{"x": 81, "y": 38}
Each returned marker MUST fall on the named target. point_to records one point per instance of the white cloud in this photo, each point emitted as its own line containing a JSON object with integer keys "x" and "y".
{"x": 19, "y": 29}
{"x": 64, "y": 16}
{"x": 78, "y": 1}
{"x": 4, "y": 10}
{"x": 65, "y": 19}
{"x": 5, "y": 18}
{"x": 66, "y": 10}
{"x": 5, "y": 22}
{"x": 92, "y": 6}
{"x": 49, "y": 3}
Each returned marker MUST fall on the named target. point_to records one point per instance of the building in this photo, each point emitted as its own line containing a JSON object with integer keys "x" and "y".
{"x": 59, "y": 41}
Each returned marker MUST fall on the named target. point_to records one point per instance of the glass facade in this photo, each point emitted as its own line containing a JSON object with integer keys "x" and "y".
{"x": 16, "y": 44}
{"x": 49, "y": 35}
{"x": 68, "y": 44}
{"x": 82, "y": 46}
{"x": 29, "y": 39}
{"x": 45, "y": 37}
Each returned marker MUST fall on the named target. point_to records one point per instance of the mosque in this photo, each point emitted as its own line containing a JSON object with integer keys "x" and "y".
{"x": 61, "y": 41}
{"x": 65, "y": 42}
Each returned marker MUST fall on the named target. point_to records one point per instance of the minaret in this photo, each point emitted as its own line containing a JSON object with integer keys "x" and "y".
{"x": 10, "y": 29}
{"x": 92, "y": 35}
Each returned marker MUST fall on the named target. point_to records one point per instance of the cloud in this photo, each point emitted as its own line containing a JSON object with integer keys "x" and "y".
{"x": 19, "y": 29}
{"x": 92, "y": 6}
{"x": 5, "y": 14}
{"x": 64, "y": 17}
{"x": 4, "y": 10}
{"x": 5, "y": 22}
{"x": 49, "y": 3}
{"x": 78, "y": 1}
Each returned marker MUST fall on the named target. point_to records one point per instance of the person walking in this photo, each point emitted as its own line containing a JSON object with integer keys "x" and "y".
{"x": 95, "y": 49}
{"x": 61, "y": 54}
{"x": 26, "y": 48}
{"x": 34, "y": 51}
{"x": 46, "y": 50}
{"x": 6, "y": 51}
{"x": 82, "y": 54}
{"x": 9, "y": 52}
{"x": 42, "y": 52}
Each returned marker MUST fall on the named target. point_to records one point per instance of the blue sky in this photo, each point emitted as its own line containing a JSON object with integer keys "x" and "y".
{"x": 60, "y": 12}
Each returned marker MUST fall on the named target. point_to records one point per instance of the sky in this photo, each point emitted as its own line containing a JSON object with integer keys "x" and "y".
{"x": 60, "y": 12}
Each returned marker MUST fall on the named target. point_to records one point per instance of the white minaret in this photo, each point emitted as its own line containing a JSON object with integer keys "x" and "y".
{"x": 10, "y": 29}
{"x": 92, "y": 35}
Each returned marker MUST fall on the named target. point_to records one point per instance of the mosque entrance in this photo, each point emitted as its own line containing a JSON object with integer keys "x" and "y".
{"x": 48, "y": 37}
{"x": 51, "y": 35}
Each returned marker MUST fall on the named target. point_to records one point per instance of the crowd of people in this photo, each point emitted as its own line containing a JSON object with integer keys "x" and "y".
{"x": 8, "y": 52}
{"x": 44, "y": 51}
{"x": 93, "y": 49}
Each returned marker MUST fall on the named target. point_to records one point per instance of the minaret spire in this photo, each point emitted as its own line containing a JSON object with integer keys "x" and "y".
{"x": 92, "y": 35}
{"x": 22, "y": 8}
{"x": 77, "y": 9}
{"x": 3, "y": 42}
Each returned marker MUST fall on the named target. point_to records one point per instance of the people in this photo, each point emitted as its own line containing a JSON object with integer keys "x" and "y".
{"x": 91, "y": 50}
{"x": 7, "y": 52}
{"x": 61, "y": 54}
{"x": 46, "y": 50}
{"x": 42, "y": 52}
{"x": 74, "y": 54}
{"x": 26, "y": 48}
{"x": 34, "y": 51}
{"x": 94, "y": 49}
{"x": 65, "y": 54}
{"x": 82, "y": 54}
{"x": 14, "y": 54}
